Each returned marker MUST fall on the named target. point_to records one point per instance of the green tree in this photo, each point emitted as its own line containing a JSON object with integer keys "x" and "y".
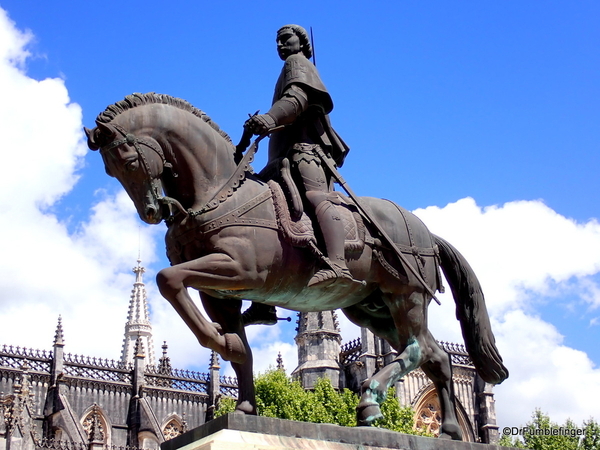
{"x": 540, "y": 436}
{"x": 508, "y": 441}
{"x": 396, "y": 417}
{"x": 591, "y": 436}
{"x": 279, "y": 396}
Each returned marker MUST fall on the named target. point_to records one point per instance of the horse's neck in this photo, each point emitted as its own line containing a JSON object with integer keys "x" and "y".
{"x": 204, "y": 163}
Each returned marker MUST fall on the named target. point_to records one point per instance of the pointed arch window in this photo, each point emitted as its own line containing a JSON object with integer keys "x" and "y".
{"x": 172, "y": 429}
{"x": 95, "y": 425}
{"x": 428, "y": 416}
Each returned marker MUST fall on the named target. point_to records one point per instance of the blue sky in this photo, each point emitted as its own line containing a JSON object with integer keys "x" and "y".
{"x": 483, "y": 117}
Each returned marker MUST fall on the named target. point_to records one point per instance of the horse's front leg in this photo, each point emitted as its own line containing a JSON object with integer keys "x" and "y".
{"x": 215, "y": 271}
{"x": 228, "y": 314}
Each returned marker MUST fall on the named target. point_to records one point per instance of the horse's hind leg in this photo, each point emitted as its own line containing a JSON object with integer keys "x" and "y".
{"x": 227, "y": 313}
{"x": 408, "y": 313}
{"x": 374, "y": 389}
{"x": 438, "y": 368}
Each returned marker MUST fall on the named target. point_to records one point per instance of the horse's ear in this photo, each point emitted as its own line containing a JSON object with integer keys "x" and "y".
{"x": 99, "y": 136}
{"x": 91, "y": 138}
{"x": 108, "y": 131}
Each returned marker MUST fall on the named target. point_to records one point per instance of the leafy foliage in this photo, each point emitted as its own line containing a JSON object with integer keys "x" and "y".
{"x": 566, "y": 437}
{"x": 279, "y": 396}
{"x": 396, "y": 417}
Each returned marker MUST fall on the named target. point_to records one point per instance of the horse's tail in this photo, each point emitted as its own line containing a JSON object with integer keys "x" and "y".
{"x": 472, "y": 314}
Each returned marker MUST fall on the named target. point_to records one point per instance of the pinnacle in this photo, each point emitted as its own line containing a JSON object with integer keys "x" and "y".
{"x": 58, "y": 336}
{"x": 280, "y": 365}
{"x": 214, "y": 360}
{"x": 139, "y": 348}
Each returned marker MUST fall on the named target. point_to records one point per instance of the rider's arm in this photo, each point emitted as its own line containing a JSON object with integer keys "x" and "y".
{"x": 292, "y": 103}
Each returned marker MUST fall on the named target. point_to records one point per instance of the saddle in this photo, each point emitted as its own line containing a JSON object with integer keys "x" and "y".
{"x": 298, "y": 229}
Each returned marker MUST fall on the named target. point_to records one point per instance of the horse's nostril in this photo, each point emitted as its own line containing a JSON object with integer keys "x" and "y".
{"x": 150, "y": 211}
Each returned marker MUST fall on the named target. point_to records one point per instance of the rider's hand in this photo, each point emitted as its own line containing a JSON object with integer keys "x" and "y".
{"x": 260, "y": 124}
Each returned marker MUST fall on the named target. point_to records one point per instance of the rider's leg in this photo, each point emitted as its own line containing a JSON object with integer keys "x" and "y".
{"x": 332, "y": 229}
{"x": 318, "y": 197}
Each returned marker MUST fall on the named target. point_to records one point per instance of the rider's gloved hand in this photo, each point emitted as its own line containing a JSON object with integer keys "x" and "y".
{"x": 260, "y": 124}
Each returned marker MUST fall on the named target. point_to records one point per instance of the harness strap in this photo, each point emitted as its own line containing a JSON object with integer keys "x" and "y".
{"x": 414, "y": 249}
{"x": 230, "y": 219}
{"x": 234, "y": 217}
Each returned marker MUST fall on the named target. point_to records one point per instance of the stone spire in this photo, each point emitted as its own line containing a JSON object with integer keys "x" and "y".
{"x": 138, "y": 321}
{"x": 319, "y": 344}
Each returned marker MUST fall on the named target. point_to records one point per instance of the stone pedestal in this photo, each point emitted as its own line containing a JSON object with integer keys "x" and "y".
{"x": 241, "y": 432}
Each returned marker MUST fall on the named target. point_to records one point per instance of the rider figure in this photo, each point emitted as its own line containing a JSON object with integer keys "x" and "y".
{"x": 302, "y": 102}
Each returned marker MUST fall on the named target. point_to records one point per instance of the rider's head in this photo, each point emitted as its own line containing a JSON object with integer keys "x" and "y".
{"x": 292, "y": 39}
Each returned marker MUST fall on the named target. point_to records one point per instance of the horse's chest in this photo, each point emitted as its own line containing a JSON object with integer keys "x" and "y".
{"x": 184, "y": 243}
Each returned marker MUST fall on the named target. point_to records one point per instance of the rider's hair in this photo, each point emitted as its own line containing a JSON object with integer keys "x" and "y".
{"x": 302, "y": 34}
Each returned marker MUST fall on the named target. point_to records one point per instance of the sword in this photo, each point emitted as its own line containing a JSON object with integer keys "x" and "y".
{"x": 340, "y": 180}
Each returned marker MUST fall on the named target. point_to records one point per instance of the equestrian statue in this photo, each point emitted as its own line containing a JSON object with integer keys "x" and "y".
{"x": 284, "y": 237}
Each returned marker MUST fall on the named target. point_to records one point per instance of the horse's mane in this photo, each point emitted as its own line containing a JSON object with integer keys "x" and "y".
{"x": 137, "y": 99}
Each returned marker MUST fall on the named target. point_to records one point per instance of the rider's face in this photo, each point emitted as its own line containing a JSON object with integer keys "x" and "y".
{"x": 288, "y": 43}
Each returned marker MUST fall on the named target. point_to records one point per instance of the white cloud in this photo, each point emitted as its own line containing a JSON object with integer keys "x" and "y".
{"x": 12, "y": 52}
{"x": 46, "y": 271}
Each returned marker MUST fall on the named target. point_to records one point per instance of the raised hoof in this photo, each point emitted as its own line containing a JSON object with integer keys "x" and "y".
{"x": 367, "y": 413}
{"x": 259, "y": 314}
{"x": 234, "y": 350}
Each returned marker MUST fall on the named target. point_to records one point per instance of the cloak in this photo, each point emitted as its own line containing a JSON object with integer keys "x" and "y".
{"x": 313, "y": 125}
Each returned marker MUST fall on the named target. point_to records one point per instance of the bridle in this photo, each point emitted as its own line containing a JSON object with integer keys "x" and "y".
{"x": 156, "y": 186}
{"x": 129, "y": 138}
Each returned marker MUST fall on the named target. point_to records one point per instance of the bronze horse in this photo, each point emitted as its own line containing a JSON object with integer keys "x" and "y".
{"x": 226, "y": 238}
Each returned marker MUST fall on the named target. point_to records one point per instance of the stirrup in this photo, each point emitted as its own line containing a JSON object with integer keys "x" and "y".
{"x": 329, "y": 277}
{"x": 259, "y": 314}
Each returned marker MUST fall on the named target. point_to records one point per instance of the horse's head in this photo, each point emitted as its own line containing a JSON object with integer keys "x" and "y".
{"x": 137, "y": 163}
{"x": 165, "y": 152}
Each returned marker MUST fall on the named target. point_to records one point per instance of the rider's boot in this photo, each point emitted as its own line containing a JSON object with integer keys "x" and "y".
{"x": 332, "y": 229}
{"x": 259, "y": 314}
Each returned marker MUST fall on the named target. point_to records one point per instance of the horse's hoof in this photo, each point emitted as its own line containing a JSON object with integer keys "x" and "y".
{"x": 368, "y": 413}
{"x": 234, "y": 351}
{"x": 451, "y": 432}
{"x": 245, "y": 408}
{"x": 449, "y": 437}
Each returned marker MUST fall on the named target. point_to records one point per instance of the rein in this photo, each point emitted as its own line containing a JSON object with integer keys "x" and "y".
{"x": 232, "y": 183}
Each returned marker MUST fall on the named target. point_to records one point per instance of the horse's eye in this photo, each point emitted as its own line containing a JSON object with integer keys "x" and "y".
{"x": 132, "y": 165}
